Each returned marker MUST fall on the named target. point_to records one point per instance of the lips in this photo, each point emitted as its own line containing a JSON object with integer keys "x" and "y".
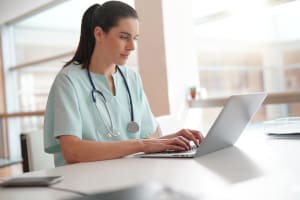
{"x": 125, "y": 55}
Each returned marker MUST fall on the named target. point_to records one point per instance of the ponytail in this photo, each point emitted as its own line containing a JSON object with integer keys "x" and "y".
{"x": 87, "y": 41}
{"x": 105, "y": 16}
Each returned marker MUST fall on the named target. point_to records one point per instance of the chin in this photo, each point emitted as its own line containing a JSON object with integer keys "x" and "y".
{"x": 122, "y": 62}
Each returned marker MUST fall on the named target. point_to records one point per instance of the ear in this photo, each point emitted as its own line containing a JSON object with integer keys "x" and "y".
{"x": 98, "y": 34}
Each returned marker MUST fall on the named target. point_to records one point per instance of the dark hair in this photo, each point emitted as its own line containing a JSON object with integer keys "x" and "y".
{"x": 106, "y": 16}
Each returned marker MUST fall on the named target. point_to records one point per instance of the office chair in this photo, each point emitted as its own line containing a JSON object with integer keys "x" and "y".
{"x": 34, "y": 157}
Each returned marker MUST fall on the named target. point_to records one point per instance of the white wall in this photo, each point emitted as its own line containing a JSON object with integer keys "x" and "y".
{"x": 151, "y": 55}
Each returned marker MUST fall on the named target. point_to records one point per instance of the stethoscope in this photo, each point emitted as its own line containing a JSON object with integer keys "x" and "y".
{"x": 132, "y": 126}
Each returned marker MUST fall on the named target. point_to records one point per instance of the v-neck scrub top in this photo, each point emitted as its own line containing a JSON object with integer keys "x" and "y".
{"x": 70, "y": 109}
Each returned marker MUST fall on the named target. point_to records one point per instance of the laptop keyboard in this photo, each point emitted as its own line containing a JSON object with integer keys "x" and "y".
{"x": 193, "y": 147}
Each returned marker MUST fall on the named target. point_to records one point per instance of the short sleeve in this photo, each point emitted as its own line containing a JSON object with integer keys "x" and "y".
{"x": 62, "y": 115}
{"x": 148, "y": 121}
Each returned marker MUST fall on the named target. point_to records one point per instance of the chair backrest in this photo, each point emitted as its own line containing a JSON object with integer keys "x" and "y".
{"x": 34, "y": 157}
{"x": 169, "y": 124}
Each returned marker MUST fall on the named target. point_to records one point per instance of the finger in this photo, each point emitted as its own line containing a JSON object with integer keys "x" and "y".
{"x": 197, "y": 134}
{"x": 202, "y": 137}
{"x": 189, "y": 135}
{"x": 174, "y": 148}
{"x": 179, "y": 142}
{"x": 186, "y": 141}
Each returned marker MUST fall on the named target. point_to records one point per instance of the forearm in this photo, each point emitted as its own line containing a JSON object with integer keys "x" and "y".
{"x": 86, "y": 151}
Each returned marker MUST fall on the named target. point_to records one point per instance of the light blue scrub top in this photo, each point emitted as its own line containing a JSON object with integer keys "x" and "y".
{"x": 71, "y": 111}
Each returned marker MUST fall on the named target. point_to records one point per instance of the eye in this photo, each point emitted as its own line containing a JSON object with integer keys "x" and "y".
{"x": 124, "y": 37}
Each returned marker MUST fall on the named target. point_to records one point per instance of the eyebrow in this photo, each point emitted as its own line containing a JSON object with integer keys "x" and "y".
{"x": 126, "y": 33}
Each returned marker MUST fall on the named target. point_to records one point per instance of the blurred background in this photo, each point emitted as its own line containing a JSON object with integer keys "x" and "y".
{"x": 219, "y": 47}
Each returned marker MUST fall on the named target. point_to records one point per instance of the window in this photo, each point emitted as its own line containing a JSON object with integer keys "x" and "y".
{"x": 42, "y": 43}
{"x": 248, "y": 46}
{"x": 36, "y": 48}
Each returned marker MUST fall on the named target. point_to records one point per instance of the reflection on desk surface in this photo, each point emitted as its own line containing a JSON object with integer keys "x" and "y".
{"x": 143, "y": 191}
{"x": 232, "y": 164}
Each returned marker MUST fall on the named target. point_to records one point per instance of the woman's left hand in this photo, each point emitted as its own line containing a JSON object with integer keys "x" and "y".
{"x": 193, "y": 135}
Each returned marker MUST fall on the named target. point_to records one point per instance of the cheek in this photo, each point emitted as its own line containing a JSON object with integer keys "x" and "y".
{"x": 115, "y": 48}
{"x": 109, "y": 43}
{"x": 118, "y": 44}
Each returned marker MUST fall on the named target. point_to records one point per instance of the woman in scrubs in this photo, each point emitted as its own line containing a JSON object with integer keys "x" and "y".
{"x": 97, "y": 108}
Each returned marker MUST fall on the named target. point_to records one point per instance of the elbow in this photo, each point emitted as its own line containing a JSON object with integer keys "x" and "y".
{"x": 70, "y": 156}
{"x": 69, "y": 149}
{"x": 69, "y": 159}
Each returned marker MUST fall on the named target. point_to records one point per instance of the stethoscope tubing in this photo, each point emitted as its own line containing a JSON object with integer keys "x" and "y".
{"x": 94, "y": 90}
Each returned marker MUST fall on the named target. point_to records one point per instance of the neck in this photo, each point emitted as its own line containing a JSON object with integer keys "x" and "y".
{"x": 100, "y": 65}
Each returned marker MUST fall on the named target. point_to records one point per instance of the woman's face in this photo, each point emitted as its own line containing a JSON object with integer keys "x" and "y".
{"x": 120, "y": 41}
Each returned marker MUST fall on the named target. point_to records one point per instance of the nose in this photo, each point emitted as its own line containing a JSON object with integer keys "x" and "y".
{"x": 131, "y": 45}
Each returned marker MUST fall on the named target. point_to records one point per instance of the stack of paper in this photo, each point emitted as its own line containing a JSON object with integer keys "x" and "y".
{"x": 283, "y": 127}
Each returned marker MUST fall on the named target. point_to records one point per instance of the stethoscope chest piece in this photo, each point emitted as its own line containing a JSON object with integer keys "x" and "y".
{"x": 133, "y": 127}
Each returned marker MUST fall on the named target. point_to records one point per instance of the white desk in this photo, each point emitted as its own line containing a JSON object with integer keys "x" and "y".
{"x": 257, "y": 168}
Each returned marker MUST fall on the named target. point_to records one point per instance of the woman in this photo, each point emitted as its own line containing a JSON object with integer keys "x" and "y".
{"x": 97, "y": 109}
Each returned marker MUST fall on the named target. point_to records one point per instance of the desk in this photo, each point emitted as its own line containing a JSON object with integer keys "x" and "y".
{"x": 258, "y": 167}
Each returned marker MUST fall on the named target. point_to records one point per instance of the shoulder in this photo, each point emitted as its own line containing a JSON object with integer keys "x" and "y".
{"x": 72, "y": 70}
{"x": 65, "y": 85}
{"x": 71, "y": 73}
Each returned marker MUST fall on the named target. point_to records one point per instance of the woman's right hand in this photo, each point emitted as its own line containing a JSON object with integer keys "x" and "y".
{"x": 160, "y": 145}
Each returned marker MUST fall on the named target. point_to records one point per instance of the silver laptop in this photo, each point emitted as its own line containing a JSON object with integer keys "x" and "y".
{"x": 233, "y": 119}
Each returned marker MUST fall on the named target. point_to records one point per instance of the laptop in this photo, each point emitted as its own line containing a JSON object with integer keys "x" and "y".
{"x": 227, "y": 128}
